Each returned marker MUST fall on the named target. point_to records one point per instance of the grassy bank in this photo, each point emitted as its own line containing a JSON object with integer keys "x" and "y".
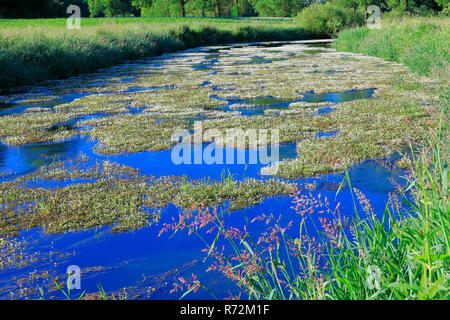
{"x": 403, "y": 253}
{"x": 419, "y": 43}
{"x": 44, "y": 49}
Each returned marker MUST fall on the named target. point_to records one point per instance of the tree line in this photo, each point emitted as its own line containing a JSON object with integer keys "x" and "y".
{"x": 199, "y": 8}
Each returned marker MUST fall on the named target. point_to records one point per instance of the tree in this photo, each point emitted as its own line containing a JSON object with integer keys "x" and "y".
{"x": 97, "y": 7}
{"x": 354, "y": 4}
{"x": 398, "y": 5}
{"x": 201, "y": 7}
{"x": 278, "y": 8}
{"x": 111, "y": 8}
{"x": 142, "y": 5}
{"x": 218, "y": 6}
{"x": 443, "y": 3}
{"x": 163, "y": 8}
{"x": 183, "y": 8}
{"x": 26, "y": 9}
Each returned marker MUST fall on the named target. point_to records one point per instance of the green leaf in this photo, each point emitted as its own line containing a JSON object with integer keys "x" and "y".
{"x": 247, "y": 246}
{"x": 211, "y": 248}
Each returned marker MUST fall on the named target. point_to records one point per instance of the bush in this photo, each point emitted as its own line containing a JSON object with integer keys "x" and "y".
{"x": 326, "y": 20}
{"x": 445, "y": 11}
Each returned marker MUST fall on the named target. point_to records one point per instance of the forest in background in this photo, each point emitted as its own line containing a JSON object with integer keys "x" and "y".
{"x": 206, "y": 8}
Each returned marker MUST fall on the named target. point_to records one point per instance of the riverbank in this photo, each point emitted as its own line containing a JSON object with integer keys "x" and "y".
{"x": 419, "y": 43}
{"x": 32, "y": 51}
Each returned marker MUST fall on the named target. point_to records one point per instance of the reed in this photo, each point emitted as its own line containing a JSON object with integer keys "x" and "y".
{"x": 401, "y": 253}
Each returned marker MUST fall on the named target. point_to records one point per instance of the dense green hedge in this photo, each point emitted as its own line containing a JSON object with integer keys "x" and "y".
{"x": 327, "y": 19}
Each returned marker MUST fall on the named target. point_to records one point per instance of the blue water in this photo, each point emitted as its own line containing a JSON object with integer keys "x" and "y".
{"x": 264, "y": 103}
{"x": 133, "y": 255}
{"x": 25, "y": 159}
{"x": 140, "y": 259}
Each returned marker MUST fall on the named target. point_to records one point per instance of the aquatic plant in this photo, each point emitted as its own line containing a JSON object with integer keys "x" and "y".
{"x": 401, "y": 253}
{"x": 34, "y": 127}
{"x": 106, "y": 193}
{"x": 369, "y": 123}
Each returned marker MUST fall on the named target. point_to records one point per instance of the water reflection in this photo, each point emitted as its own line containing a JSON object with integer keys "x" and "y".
{"x": 141, "y": 258}
{"x": 338, "y": 97}
{"x": 25, "y": 159}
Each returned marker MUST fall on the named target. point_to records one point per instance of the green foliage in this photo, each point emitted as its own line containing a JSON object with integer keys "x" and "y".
{"x": 443, "y": 3}
{"x": 97, "y": 7}
{"x": 446, "y": 11}
{"x": 201, "y": 8}
{"x": 141, "y": 3}
{"x": 198, "y": 8}
{"x": 278, "y": 8}
{"x": 204, "y": 8}
{"x": 421, "y": 45}
{"x": 420, "y": 7}
{"x": 164, "y": 8}
{"x": 112, "y": 8}
{"x": 328, "y": 19}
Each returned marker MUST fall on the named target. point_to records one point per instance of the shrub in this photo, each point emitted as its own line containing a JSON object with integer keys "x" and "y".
{"x": 328, "y": 19}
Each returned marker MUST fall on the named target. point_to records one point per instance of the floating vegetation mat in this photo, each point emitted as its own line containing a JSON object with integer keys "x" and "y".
{"x": 106, "y": 193}
{"x": 360, "y": 111}
{"x": 331, "y": 109}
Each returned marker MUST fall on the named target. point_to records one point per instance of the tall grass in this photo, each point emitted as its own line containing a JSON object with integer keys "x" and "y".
{"x": 419, "y": 43}
{"x": 403, "y": 253}
{"x": 157, "y": 22}
{"x": 43, "y": 49}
